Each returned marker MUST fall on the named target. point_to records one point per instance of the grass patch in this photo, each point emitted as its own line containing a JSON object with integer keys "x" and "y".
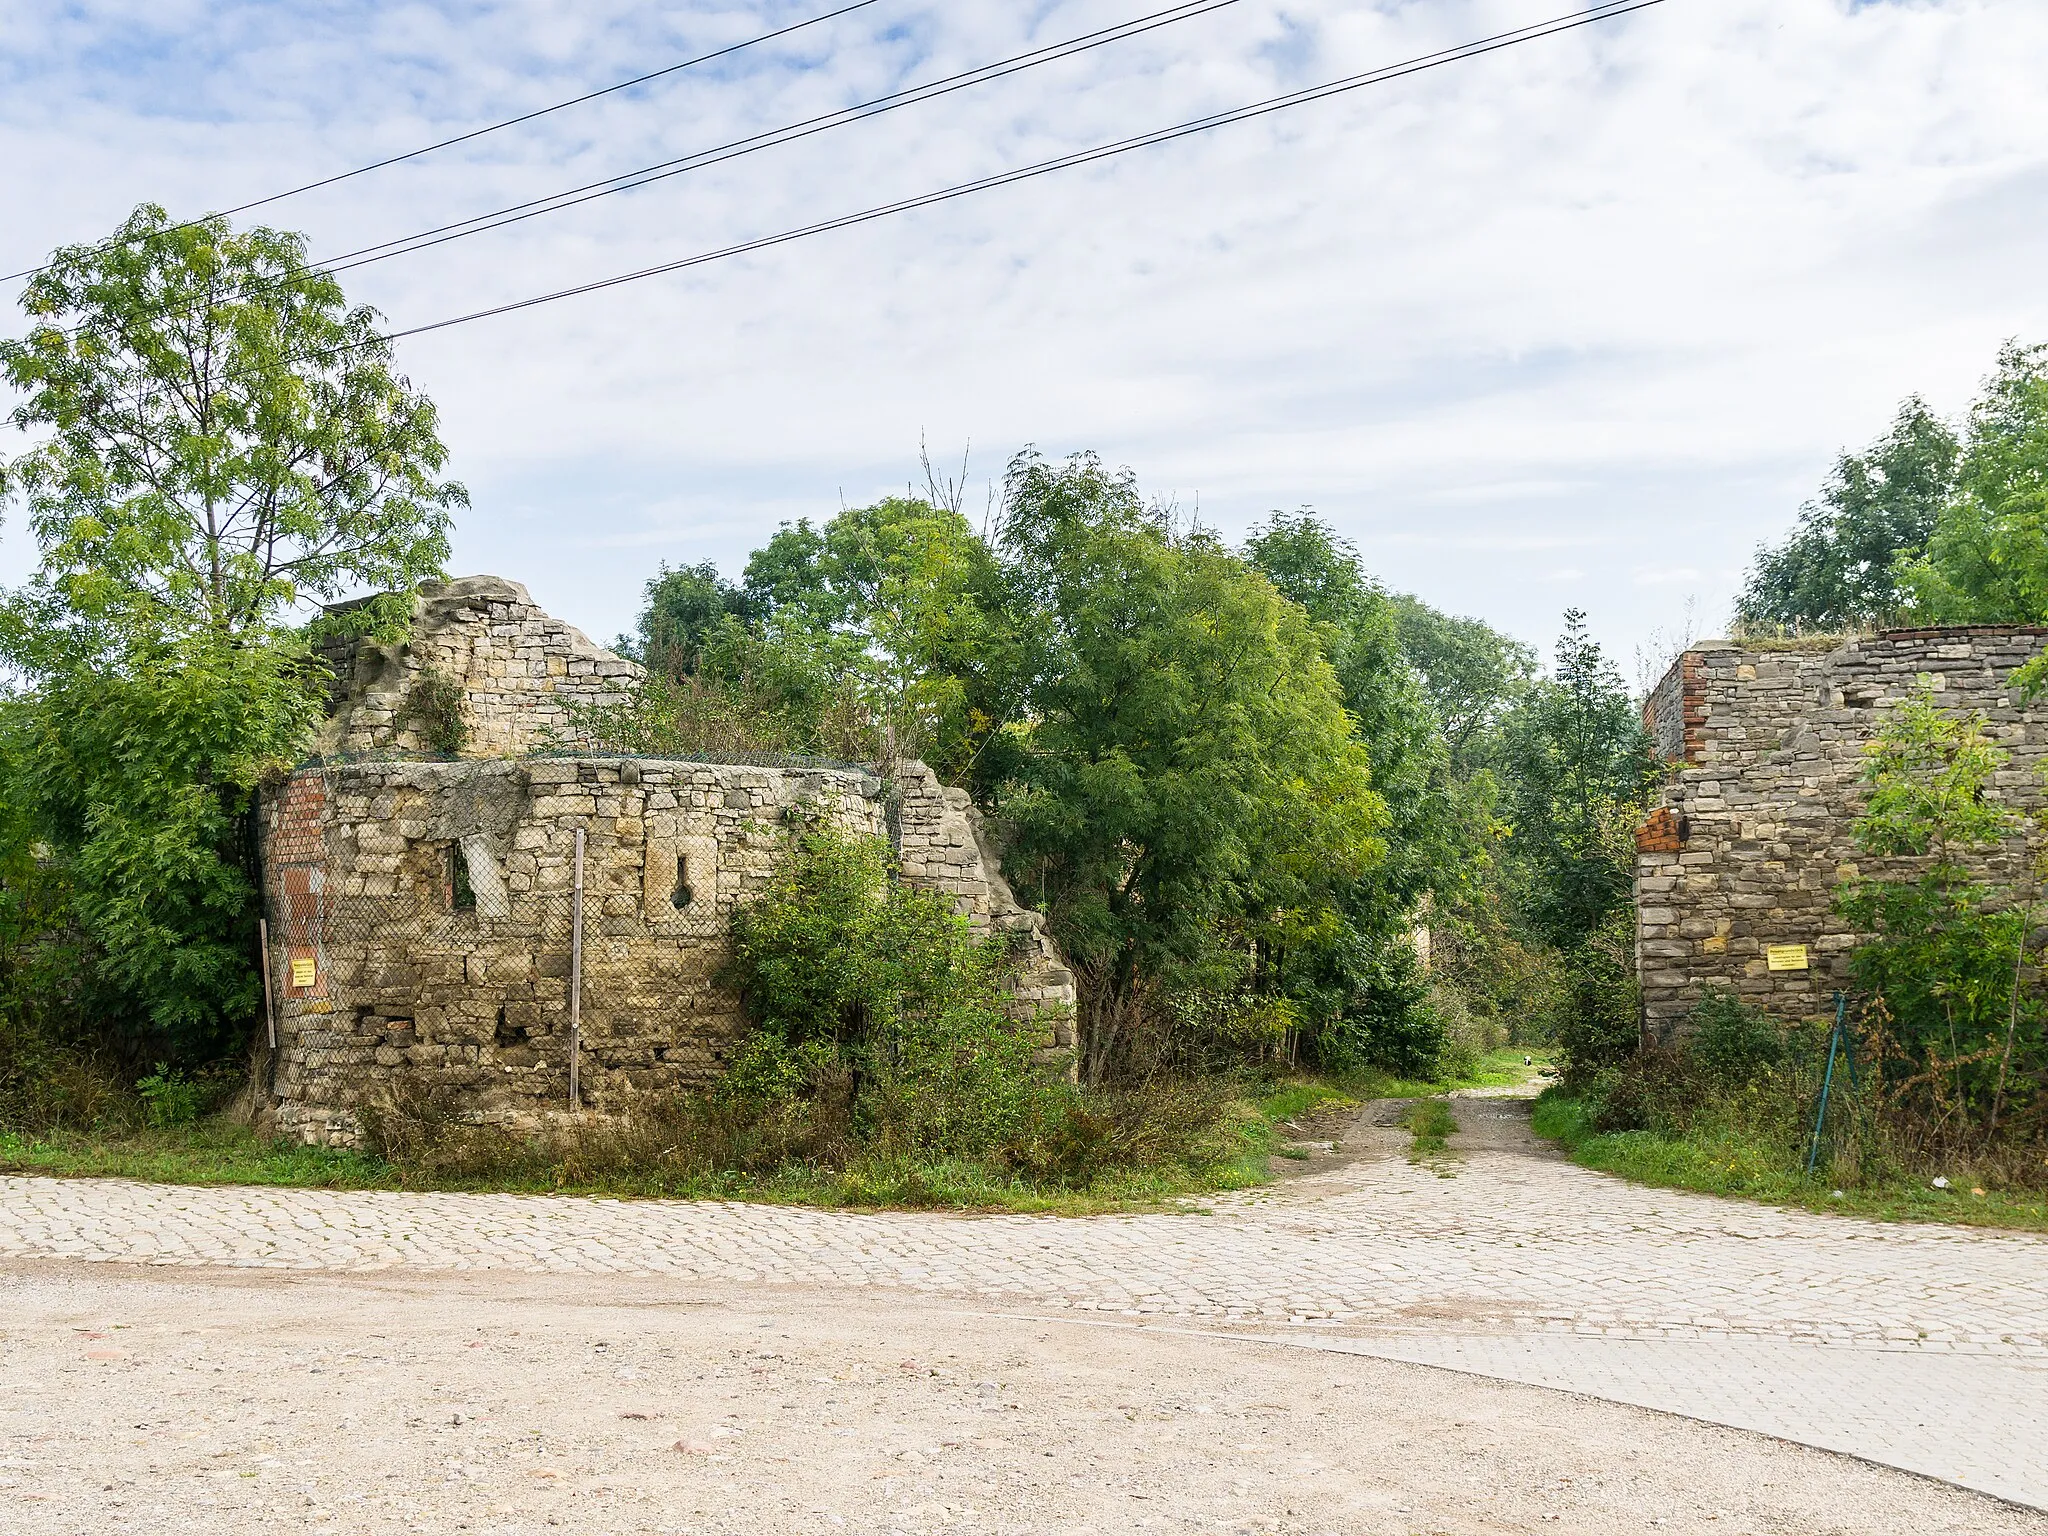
{"x": 215, "y": 1153}
{"x": 1719, "y": 1160}
{"x": 1430, "y": 1126}
{"x": 1254, "y": 1129}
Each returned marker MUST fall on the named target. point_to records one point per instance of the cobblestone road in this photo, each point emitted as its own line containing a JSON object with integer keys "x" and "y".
{"x": 1833, "y": 1331}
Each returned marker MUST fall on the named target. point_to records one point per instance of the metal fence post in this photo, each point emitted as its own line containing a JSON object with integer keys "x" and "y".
{"x": 269, "y": 1009}
{"x": 1837, "y": 1038}
{"x": 576, "y": 980}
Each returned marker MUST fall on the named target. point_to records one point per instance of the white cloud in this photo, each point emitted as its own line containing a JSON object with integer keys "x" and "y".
{"x": 1624, "y": 292}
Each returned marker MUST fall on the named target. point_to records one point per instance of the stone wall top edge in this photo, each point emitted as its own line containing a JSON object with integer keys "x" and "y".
{"x": 420, "y": 769}
{"x": 1821, "y": 645}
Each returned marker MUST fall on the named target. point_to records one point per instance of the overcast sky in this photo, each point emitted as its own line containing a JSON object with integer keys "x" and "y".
{"x": 1577, "y": 323}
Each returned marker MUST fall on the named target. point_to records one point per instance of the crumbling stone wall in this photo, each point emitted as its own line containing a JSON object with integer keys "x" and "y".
{"x": 421, "y": 910}
{"x": 517, "y": 667}
{"x": 399, "y": 979}
{"x": 1752, "y": 832}
{"x": 942, "y": 842}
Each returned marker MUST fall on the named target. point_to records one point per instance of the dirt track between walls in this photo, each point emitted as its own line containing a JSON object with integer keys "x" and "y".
{"x": 158, "y": 1400}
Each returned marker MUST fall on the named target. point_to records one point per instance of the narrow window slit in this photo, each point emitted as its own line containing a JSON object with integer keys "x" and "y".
{"x": 461, "y": 894}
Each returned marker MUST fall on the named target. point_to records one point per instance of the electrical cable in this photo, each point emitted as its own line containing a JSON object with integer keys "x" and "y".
{"x": 477, "y": 133}
{"x": 1534, "y": 33}
{"x": 628, "y": 181}
{"x": 1556, "y": 26}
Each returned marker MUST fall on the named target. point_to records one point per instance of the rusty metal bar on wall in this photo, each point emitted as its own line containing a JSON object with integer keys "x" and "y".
{"x": 576, "y": 979}
{"x": 269, "y": 1009}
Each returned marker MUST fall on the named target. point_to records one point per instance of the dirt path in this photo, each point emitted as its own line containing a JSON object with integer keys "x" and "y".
{"x": 242, "y": 1401}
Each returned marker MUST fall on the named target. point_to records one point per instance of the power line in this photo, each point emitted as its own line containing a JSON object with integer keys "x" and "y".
{"x": 628, "y": 181}
{"x": 1214, "y": 120}
{"x": 1608, "y": 10}
{"x": 510, "y": 122}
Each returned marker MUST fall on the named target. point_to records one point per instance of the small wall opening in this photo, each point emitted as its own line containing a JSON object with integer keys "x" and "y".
{"x": 461, "y": 894}
{"x": 682, "y": 895}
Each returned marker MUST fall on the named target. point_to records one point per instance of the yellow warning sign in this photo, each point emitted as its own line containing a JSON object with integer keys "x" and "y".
{"x": 1786, "y": 957}
{"x": 305, "y": 973}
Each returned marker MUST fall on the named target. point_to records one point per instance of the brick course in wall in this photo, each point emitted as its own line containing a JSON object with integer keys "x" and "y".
{"x": 1753, "y": 831}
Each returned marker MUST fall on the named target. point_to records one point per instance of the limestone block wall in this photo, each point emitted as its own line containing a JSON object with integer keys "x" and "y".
{"x": 420, "y": 916}
{"x": 381, "y": 972}
{"x": 942, "y": 842}
{"x": 1752, "y": 832}
{"x": 517, "y": 666}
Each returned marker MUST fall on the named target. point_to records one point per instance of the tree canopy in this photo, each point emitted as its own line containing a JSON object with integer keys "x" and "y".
{"x": 1839, "y": 568}
{"x": 224, "y": 437}
{"x": 220, "y": 437}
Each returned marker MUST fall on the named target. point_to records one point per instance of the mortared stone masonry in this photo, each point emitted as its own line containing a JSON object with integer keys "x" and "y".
{"x": 1753, "y": 830}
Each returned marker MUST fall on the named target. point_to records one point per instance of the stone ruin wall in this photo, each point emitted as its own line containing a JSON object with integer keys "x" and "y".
{"x": 381, "y": 977}
{"x": 943, "y": 844}
{"x": 520, "y": 670}
{"x": 1752, "y": 832}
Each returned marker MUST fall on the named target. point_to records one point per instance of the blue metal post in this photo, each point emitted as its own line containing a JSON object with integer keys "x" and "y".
{"x": 1827, "y": 1082}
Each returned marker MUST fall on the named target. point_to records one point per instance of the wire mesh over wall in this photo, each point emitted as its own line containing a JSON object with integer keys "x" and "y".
{"x": 422, "y": 925}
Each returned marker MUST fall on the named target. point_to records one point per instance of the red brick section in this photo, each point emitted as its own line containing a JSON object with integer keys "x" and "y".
{"x": 298, "y": 861}
{"x": 1695, "y": 705}
{"x": 296, "y": 835}
{"x": 1659, "y": 834}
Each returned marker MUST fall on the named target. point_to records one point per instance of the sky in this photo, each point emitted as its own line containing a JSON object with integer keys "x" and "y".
{"x": 1575, "y": 324}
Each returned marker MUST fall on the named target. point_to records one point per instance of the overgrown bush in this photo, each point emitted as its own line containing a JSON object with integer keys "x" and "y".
{"x": 1393, "y": 1024}
{"x": 435, "y": 706}
{"x": 1600, "y": 1029}
{"x": 170, "y": 1098}
{"x": 1954, "y": 1017}
{"x": 881, "y": 1053}
{"x": 1734, "y": 1045}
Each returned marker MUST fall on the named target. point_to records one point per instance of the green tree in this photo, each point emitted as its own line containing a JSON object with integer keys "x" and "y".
{"x": 1183, "y": 780}
{"x": 1841, "y": 566}
{"x": 687, "y": 610}
{"x": 225, "y": 437}
{"x": 1474, "y": 673}
{"x": 1357, "y": 979}
{"x": 221, "y": 437}
{"x": 881, "y": 633}
{"x": 905, "y": 602}
{"x": 1987, "y": 558}
{"x": 1579, "y": 769}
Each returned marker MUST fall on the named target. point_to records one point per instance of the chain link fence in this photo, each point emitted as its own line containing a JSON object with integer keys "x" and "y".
{"x": 526, "y": 977}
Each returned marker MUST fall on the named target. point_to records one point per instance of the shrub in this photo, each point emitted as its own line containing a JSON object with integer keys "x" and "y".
{"x": 435, "y": 706}
{"x": 851, "y": 977}
{"x": 1601, "y": 1026}
{"x": 1392, "y": 1024}
{"x": 170, "y": 1098}
{"x": 1734, "y": 1045}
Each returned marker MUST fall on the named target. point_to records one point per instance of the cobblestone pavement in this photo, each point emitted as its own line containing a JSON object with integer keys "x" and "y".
{"x": 1832, "y": 1331}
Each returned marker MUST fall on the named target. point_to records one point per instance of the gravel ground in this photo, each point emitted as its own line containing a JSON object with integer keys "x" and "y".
{"x": 202, "y": 1400}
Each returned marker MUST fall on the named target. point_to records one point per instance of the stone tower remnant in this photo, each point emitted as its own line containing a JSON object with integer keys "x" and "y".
{"x": 1737, "y": 863}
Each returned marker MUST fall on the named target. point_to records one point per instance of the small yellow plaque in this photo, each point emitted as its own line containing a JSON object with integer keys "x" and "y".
{"x": 305, "y": 973}
{"x": 1786, "y": 957}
